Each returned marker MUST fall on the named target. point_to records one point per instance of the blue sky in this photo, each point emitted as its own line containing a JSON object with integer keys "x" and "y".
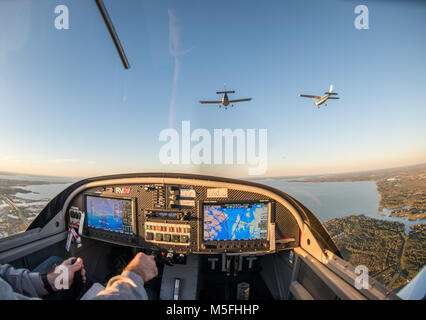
{"x": 68, "y": 107}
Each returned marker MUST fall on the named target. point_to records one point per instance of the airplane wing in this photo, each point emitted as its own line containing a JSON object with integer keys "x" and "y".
{"x": 309, "y": 96}
{"x": 333, "y": 97}
{"x": 239, "y": 100}
{"x": 215, "y": 102}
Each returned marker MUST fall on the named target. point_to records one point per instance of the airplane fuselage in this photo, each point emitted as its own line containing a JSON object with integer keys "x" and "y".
{"x": 322, "y": 100}
{"x": 225, "y": 100}
{"x": 319, "y": 100}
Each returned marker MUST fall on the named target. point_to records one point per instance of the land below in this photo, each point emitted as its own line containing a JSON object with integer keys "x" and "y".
{"x": 392, "y": 257}
{"x": 17, "y": 213}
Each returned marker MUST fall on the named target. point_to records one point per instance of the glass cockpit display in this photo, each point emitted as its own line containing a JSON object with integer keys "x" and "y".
{"x": 109, "y": 214}
{"x": 236, "y": 221}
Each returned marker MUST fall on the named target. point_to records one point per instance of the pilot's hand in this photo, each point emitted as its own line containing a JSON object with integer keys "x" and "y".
{"x": 144, "y": 266}
{"x": 66, "y": 270}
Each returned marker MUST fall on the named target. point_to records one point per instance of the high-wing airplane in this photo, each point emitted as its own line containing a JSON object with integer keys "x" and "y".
{"x": 225, "y": 100}
{"x": 320, "y": 100}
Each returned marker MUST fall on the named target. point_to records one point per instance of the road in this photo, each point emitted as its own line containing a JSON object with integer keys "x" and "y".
{"x": 14, "y": 208}
{"x": 396, "y": 266}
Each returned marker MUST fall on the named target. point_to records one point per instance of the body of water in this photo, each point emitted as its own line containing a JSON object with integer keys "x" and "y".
{"x": 329, "y": 200}
{"x": 42, "y": 191}
{"x": 24, "y": 177}
{"x": 39, "y": 192}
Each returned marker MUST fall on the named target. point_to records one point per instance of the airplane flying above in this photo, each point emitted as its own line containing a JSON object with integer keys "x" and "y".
{"x": 320, "y": 100}
{"x": 225, "y": 100}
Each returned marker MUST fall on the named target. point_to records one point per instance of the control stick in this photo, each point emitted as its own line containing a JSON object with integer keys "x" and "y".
{"x": 78, "y": 286}
{"x": 78, "y": 280}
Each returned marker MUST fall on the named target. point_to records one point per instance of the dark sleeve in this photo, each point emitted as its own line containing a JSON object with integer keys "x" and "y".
{"x": 23, "y": 281}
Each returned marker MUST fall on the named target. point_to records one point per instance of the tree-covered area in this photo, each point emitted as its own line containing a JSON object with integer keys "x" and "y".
{"x": 415, "y": 251}
{"x": 392, "y": 257}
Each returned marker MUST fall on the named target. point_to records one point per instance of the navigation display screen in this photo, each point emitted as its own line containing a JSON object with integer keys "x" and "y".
{"x": 109, "y": 214}
{"x": 236, "y": 221}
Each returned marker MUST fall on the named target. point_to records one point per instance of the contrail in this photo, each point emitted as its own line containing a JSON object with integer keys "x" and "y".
{"x": 173, "y": 98}
{"x": 174, "y": 43}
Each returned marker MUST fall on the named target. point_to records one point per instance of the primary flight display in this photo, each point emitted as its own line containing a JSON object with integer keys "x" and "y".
{"x": 109, "y": 214}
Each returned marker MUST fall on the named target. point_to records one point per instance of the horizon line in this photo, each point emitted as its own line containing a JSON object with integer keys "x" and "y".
{"x": 242, "y": 178}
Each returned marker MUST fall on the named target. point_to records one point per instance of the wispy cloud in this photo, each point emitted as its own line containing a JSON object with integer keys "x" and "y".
{"x": 175, "y": 32}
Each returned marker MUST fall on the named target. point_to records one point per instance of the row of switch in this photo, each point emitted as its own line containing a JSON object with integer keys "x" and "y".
{"x": 168, "y": 228}
{"x": 165, "y": 237}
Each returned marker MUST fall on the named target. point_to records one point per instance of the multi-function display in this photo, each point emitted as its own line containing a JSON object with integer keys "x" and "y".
{"x": 236, "y": 221}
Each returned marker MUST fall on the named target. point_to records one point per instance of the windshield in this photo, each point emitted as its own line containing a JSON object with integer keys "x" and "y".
{"x": 323, "y": 100}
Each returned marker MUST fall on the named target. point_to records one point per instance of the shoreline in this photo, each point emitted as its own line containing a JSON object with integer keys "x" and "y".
{"x": 381, "y": 206}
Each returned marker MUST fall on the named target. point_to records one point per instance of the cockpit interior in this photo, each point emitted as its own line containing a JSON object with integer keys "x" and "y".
{"x": 213, "y": 238}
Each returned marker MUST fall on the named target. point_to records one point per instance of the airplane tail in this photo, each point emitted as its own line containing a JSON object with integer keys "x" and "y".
{"x": 223, "y": 92}
{"x": 330, "y": 91}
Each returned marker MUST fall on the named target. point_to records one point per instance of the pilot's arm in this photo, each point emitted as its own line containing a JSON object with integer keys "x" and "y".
{"x": 17, "y": 284}
{"x": 130, "y": 284}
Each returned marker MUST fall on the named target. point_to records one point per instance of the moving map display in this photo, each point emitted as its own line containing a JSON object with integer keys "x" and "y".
{"x": 236, "y": 221}
{"x": 109, "y": 214}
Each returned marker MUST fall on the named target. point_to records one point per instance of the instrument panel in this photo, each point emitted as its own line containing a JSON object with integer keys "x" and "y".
{"x": 183, "y": 218}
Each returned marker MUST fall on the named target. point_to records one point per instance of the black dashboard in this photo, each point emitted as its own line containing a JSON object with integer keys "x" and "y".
{"x": 201, "y": 217}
